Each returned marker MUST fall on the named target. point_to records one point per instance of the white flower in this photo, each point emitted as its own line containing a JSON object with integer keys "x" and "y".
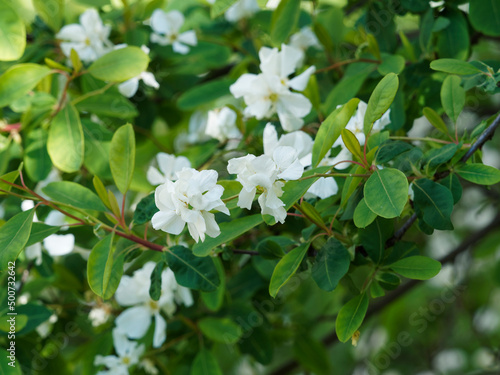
{"x": 133, "y": 291}
{"x": 148, "y": 366}
{"x": 189, "y": 200}
{"x": 166, "y": 28}
{"x": 196, "y": 131}
{"x": 128, "y": 354}
{"x": 129, "y": 87}
{"x": 304, "y": 39}
{"x": 355, "y": 125}
{"x": 266, "y": 173}
{"x": 272, "y": 4}
{"x": 221, "y": 124}
{"x": 269, "y": 92}
{"x": 241, "y": 9}
{"x": 89, "y": 38}
{"x": 168, "y": 166}
{"x": 99, "y": 314}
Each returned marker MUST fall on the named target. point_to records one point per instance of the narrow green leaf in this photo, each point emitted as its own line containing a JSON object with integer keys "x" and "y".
{"x": 434, "y": 203}
{"x": 390, "y": 149}
{"x": 10, "y": 177}
{"x": 101, "y": 191}
{"x": 12, "y": 33}
{"x": 145, "y": 210}
{"x": 75, "y": 60}
{"x": 155, "y": 286}
{"x": 286, "y": 268}
{"x": 352, "y": 144}
{"x": 417, "y": 267}
{"x": 440, "y": 155}
{"x": 363, "y": 216}
{"x": 332, "y": 264}
{"x": 479, "y": 173}
{"x": 74, "y": 194}
{"x": 14, "y": 235}
{"x": 435, "y": 120}
{"x": 122, "y": 157}
{"x": 65, "y": 144}
{"x": 191, "y": 271}
{"x": 351, "y": 316}
{"x": 386, "y": 192}
{"x": 221, "y": 330}
{"x": 453, "y": 66}
{"x": 284, "y": 20}
{"x": 205, "y": 364}
{"x": 19, "y": 80}
{"x": 120, "y": 65}
{"x": 380, "y": 100}
{"x": 452, "y": 97}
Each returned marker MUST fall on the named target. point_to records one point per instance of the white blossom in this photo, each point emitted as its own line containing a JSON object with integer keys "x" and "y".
{"x": 241, "y": 9}
{"x": 189, "y": 200}
{"x": 133, "y": 290}
{"x": 89, "y": 38}
{"x": 269, "y": 92}
{"x": 196, "y": 131}
{"x": 221, "y": 124}
{"x": 302, "y": 40}
{"x": 166, "y": 28}
{"x": 99, "y": 314}
{"x": 128, "y": 354}
{"x": 168, "y": 166}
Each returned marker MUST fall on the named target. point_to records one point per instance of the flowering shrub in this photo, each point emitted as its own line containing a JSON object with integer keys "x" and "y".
{"x": 231, "y": 186}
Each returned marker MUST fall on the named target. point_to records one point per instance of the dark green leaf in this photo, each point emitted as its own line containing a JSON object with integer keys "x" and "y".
{"x": 479, "y": 173}
{"x": 284, "y": 20}
{"x": 485, "y": 16}
{"x": 221, "y": 330}
{"x": 145, "y": 210}
{"x": 205, "y": 93}
{"x": 205, "y": 364}
{"x": 74, "y": 194}
{"x": 434, "y": 202}
{"x": 155, "y": 287}
{"x": 332, "y": 264}
{"x": 14, "y": 235}
{"x": 374, "y": 237}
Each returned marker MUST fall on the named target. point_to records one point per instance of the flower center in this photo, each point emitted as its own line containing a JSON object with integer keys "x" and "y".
{"x": 87, "y": 41}
{"x": 126, "y": 360}
{"x": 273, "y": 97}
{"x": 153, "y": 305}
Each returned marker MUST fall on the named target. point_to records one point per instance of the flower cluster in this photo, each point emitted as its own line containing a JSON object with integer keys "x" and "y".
{"x": 166, "y": 31}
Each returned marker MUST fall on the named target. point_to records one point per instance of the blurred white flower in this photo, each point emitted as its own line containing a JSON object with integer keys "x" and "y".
{"x": 133, "y": 291}
{"x": 168, "y": 166}
{"x": 166, "y": 28}
{"x": 241, "y": 9}
{"x": 45, "y": 328}
{"x": 196, "y": 131}
{"x": 221, "y": 124}
{"x": 266, "y": 173}
{"x": 128, "y": 354}
{"x": 355, "y": 125}
{"x": 99, "y": 314}
{"x": 269, "y": 92}
{"x": 450, "y": 360}
{"x": 189, "y": 200}
{"x": 89, "y": 38}
{"x": 148, "y": 366}
{"x": 272, "y": 4}
{"x": 304, "y": 39}
{"x": 486, "y": 320}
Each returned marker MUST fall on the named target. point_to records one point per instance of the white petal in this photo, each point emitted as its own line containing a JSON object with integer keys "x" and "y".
{"x": 160, "y": 333}
{"x": 134, "y": 321}
{"x": 129, "y": 88}
{"x": 149, "y": 80}
{"x": 245, "y": 198}
{"x": 168, "y": 222}
{"x": 180, "y": 48}
{"x": 160, "y": 23}
{"x": 59, "y": 244}
{"x": 270, "y": 139}
{"x": 73, "y": 33}
{"x": 290, "y": 58}
{"x": 243, "y": 85}
{"x": 299, "y": 82}
{"x": 188, "y": 37}
{"x": 154, "y": 176}
{"x": 324, "y": 187}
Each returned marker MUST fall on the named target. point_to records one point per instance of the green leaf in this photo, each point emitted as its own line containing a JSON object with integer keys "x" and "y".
{"x": 221, "y": 330}
{"x": 312, "y": 354}
{"x": 10, "y": 177}
{"x": 122, "y": 157}
{"x": 229, "y": 231}
{"x": 374, "y": 238}
{"x": 352, "y": 144}
{"x": 434, "y": 203}
{"x": 284, "y": 20}
{"x": 36, "y": 158}
{"x": 205, "y": 364}
{"x": 14, "y": 235}
{"x": 453, "y": 66}
{"x": 213, "y": 300}
{"x": 363, "y": 216}
{"x": 380, "y": 100}
{"x": 390, "y": 149}
{"x": 331, "y": 129}
{"x": 74, "y": 194}
{"x": 120, "y": 65}
{"x": 479, "y": 173}
{"x": 485, "y": 16}
{"x": 351, "y": 316}
{"x": 220, "y": 7}
{"x": 145, "y": 210}
{"x": 191, "y": 271}
{"x": 440, "y": 155}
{"x": 97, "y": 143}
{"x": 205, "y": 93}
{"x": 155, "y": 286}
{"x": 313, "y": 214}
{"x": 65, "y": 144}
{"x": 286, "y": 268}
{"x": 386, "y": 192}
{"x": 109, "y": 104}
{"x": 39, "y": 232}
{"x": 37, "y": 314}
{"x": 51, "y": 12}
{"x": 435, "y": 120}
{"x": 258, "y": 344}
{"x": 19, "y": 80}
{"x": 332, "y": 264}
{"x": 12, "y": 33}
{"x": 454, "y": 41}
{"x": 452, "y": 97}
{"x": 417, "y": 267}
{"x": 104, "y": 271}
{"x": 269, "y": 249}
{"x": 391, "y": 64}
{"x": 453, "y": 184}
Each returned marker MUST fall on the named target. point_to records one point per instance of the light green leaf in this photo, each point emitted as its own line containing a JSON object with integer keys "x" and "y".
{"x": 453, "y": 66}
{"x": 104, "y": 272}
{"x": 391, "y": 64}
{"x": 74, "y": 194}
{"x": 65, "y": 144}
{"x": 205, "y": 364}
{"x": 452, "y": 97}
{"x": 479, "y": 173}
{"x": 434, "y": 202}
{"x": 332, "y": 264}
{"x": 284, "y": 20}
{"x": 286, "y": 268}
{"x": 36, "y": 158}
{"x": 10, "y": 177}
{"x": 120, "y": 65}
{"x": 108, "y": 104}
{"x": 485, "y": 16}
{"x": 435, "y": 119}
{"x": 14, "y": 235}
{"x": 380, "y": 100}
{"x": 351, "y": 316}
{"x": 220, "y": 7}
{"x": 221, "y": 330}
{"x": 386, "y": 192}
{"x": 12, "y": 33}
{"x": 122, "y": 157}
{"x": 191, "y": 271}
{"x": 51, "y": 12}
{"x": 19, "y": 80}
{"x": 417, "y": 267}
{"x": 363, "y": 216}
{"x": 352, "y": 144}
{"x": 331, "y": 129}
